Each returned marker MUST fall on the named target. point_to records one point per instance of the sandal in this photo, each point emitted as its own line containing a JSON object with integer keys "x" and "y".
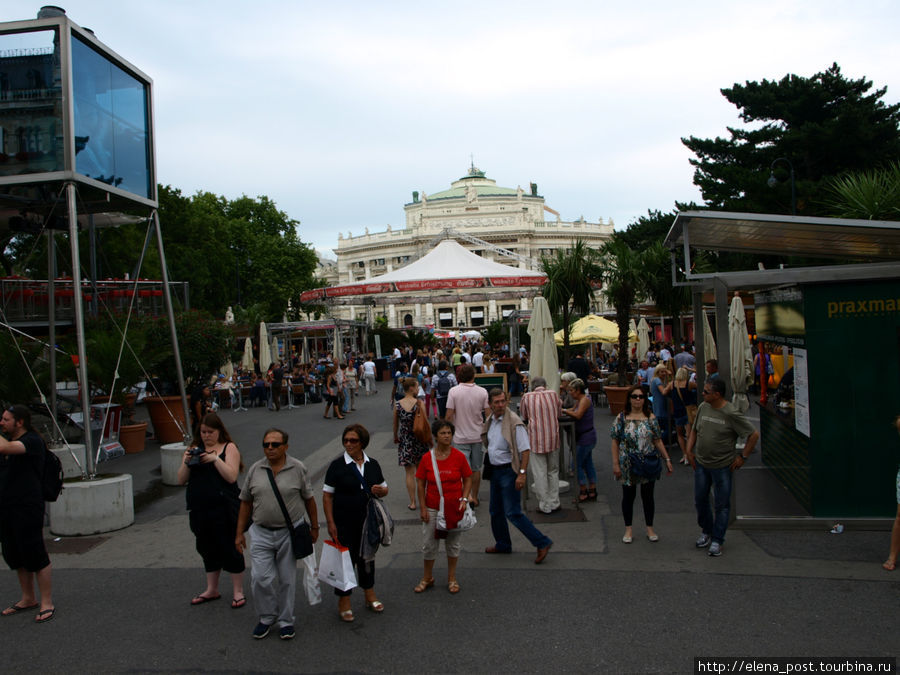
{"x": 424, "y": 585}
{"x": 237, "y": 603}
{"x": 583, "y": 495}
{"x": 376, "y": 606}
{"x": 347, "y": 616}
{"x": 16, "y": 608}
{"x": 592, "y": 494}
{"x": 45, "y": 615}
{"x": 200, "y": 599}
{"x": 889, "y": 565}
{"x": 453, "y": 586}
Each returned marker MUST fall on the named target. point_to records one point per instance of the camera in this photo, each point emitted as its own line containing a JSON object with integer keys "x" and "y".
{"x": 196, "y": 456}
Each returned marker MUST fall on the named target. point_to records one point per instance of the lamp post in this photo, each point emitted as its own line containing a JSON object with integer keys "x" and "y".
{"x": 772, "y": 182}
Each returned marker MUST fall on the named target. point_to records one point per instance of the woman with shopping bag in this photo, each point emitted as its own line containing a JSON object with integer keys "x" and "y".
{"x": 349, "y": 481}
{"x": 444, "y": 478}
{"x": 275, "y": 484}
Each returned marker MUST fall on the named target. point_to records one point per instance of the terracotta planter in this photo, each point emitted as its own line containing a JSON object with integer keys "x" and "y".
{"x": 166, "y": 414}
{"x": 133, "y": 437}
{"x": 616, "y": 397}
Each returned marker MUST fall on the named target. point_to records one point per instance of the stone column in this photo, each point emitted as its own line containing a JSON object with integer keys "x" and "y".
{"x": 392, "y": 316}
{"x": 492, "y": 311}
{"x": 429, "y": 314}
{"x": 523, "y": 303}
{"x": 417, "y": 320}
{"x": 461, "y": 314}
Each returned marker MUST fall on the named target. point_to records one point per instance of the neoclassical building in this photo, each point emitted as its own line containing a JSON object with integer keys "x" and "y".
{"x": 503, "y": 225}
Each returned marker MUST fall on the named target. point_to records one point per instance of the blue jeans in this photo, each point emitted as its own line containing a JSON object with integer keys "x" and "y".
{"x": 720, "y": 482}
{"x": 584, "y": 463}
{"x": 505, "y": 503}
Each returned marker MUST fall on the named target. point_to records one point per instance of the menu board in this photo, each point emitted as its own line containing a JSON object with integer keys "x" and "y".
{"x": 801, "y": 391}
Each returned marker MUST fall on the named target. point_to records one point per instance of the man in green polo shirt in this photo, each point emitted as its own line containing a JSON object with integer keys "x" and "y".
{"x": 712, "y": 452}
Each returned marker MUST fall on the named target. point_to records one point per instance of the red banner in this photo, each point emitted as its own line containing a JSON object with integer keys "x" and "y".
{"x": 433, "y": 284}
{"x": 518, "y": 281}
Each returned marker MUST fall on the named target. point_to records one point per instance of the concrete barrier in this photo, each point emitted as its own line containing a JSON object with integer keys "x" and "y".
{"x": 171, "y": 456}
{"x": 93, "y": 506}
{"x": 65, "y": 454}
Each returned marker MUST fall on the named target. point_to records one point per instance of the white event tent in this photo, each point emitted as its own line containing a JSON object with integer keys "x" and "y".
{"x": 448, "y": 266}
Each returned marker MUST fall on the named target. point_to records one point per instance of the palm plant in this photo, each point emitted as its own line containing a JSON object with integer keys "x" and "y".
{"x": 867, "y": 195}
{"x": 571, "y": 279}
{"x": 624, "y": 279}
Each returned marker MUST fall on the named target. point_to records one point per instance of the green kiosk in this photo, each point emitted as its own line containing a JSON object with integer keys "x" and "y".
{"x": 828, "y": 435}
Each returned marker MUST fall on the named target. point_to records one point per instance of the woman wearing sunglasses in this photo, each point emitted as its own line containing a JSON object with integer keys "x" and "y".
{"x": 636, "y": 435}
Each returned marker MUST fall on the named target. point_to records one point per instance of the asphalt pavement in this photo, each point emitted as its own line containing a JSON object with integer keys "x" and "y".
{"x": 595, "y": 605}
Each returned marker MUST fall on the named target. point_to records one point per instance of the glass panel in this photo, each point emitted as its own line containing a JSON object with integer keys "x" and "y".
{"x": 30, "y": 103}
{"x": 111, "y": 126}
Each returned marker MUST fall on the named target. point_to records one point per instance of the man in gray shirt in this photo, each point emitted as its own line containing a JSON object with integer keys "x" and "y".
{"x": 712, "y": 452}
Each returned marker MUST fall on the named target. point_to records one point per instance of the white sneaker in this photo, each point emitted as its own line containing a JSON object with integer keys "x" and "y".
{"x": 702, "y": 541}
{"x": 715, "y": 549}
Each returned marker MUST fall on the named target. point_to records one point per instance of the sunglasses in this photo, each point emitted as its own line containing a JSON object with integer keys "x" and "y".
{"x": 351, "y": 440}
{"x": 272, "y": 445}
{"x": 636, "y": 396}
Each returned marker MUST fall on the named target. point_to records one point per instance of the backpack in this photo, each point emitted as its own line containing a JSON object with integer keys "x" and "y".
{"x": 51, "y": 477}
{"x": 443, "y": 385}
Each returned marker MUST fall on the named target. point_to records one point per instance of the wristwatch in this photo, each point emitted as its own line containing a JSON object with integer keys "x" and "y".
{"x": 521, "y": 471}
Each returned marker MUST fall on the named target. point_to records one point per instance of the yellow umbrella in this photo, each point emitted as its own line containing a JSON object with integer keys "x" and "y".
{"x": 593, "y": 328}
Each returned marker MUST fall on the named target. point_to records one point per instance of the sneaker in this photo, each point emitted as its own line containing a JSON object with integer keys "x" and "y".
{"x": 715, "y": 549}
{"x": 702, "y": 541}
{"x": 260, "y": 631}
{"x": 286, "y": 633}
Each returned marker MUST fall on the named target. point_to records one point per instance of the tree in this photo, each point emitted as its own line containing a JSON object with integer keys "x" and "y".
{"x": 868, "y": 195}
{"x": 624, "y": 279}
{"x": 824, "y": 125}
{"x": 571, "y": 278}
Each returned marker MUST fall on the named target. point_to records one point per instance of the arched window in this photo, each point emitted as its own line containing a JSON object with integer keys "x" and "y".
{"x": 407, "y": 320}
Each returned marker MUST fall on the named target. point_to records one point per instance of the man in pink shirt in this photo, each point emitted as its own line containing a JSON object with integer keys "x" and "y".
{"x": 467, "y": 408}
{"x": 540, "y": 408}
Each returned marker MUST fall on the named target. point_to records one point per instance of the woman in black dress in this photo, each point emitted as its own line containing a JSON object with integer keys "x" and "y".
{"x": 211, "y": 470}
{"x": 349, "y": 480}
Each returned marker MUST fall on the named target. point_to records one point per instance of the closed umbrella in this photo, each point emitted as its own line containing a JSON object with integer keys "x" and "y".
{"x": 709, "y": 343}
{"x": 741, "y": 355}
{"x": 228, "y": 369}
{"x": 643, "y": 331}
{"x": 247, "y": 357}
{"x": 265, "y": 352}
{"x": 304, "y": 355}
{"x": 338, "y": 352}
{"x": 632, "y": 330}
{"x": 274, "y": 348}
{"x": 543, "y": 362}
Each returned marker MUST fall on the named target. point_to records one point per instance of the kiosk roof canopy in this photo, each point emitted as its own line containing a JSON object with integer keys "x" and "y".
{"x": 787, "y": 235}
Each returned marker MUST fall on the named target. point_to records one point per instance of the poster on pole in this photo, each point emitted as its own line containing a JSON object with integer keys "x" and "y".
{"x": 801, "y": 392}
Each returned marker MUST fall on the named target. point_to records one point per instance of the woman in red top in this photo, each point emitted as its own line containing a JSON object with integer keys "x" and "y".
{"x": 456, "y": 481}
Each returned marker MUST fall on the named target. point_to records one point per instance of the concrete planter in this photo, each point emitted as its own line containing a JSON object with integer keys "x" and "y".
{"x": 70, "y": 468}
{"x": 93, "y": 506}
{"x": 171, "y": 457}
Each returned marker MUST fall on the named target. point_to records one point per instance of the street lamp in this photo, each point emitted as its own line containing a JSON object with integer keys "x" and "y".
{"x": 772, "y": 182}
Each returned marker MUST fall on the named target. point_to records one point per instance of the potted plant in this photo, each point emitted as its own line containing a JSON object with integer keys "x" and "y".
{"x": 205, "y": 344}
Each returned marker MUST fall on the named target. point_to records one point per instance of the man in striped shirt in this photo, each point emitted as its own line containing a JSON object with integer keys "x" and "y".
{"x": 540, "y": 408}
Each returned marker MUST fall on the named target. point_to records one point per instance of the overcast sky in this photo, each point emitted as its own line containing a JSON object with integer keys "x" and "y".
{"x": 338, "y": 111}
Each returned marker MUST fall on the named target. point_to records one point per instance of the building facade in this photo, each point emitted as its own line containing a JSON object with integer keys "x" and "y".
{"x": 505, "y": 225}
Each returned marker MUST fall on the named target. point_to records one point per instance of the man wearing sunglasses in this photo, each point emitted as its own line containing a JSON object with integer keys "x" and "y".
{"x": 712, "y": 453}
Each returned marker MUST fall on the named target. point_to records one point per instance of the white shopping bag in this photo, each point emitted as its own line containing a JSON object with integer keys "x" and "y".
{"x": 335, "y": 567}
{"x": 311, "y": 580}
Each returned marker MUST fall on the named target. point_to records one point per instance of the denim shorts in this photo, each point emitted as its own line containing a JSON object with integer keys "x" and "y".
{"x": 474, "y": 452}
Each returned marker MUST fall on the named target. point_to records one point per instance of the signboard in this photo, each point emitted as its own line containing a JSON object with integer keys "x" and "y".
{"x": 801, "y": 392}
{"x": 779, "y": 317}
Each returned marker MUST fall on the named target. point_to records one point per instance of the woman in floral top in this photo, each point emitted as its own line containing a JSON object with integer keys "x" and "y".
{"x": 636, "y": 431}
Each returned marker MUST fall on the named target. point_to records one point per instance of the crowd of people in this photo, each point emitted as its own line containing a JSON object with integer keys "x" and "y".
{"x": 474, "y": 435}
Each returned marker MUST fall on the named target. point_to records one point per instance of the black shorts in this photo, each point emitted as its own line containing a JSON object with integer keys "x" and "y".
{"x": 22, "y": 538}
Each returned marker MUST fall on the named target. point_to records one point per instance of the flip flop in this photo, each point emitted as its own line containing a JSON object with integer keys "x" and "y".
{"x": 237, "y": 603}
{"x": 15, "y": 609}
{"x": 45, "y": 615}
{"x": 201, "y": 599}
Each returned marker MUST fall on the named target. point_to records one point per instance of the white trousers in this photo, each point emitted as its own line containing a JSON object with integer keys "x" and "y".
{"x": 545, "y": 474}
{"x": 369, "y": 379}
{"x": 274, "y": 571}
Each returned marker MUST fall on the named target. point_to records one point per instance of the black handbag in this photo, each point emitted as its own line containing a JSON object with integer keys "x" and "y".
{"x": 301, "y": 536}
{"x": 645, "y": 466}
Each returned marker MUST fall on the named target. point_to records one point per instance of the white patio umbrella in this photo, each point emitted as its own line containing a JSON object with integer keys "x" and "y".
{"x": 274, "y": 348}
{"x": 265, "y": 352}
{"x": 709, "y": 343}
{"x": 741, "y": 356}
{"x": 544, "y": 362}
{"x": 338, "y": 351}
{"x": 304, "y": 355}
{"x": 247, "y": 358}
{"x": 643, "y": 331}
{"x": 228, "y": 369}
{"x": 632, "y": 330}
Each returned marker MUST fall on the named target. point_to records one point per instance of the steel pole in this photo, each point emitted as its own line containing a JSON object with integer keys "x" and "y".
{"x": 170, "y": 311}
{"x": 79, "y": 332}
{"x": 51, "y": 324}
